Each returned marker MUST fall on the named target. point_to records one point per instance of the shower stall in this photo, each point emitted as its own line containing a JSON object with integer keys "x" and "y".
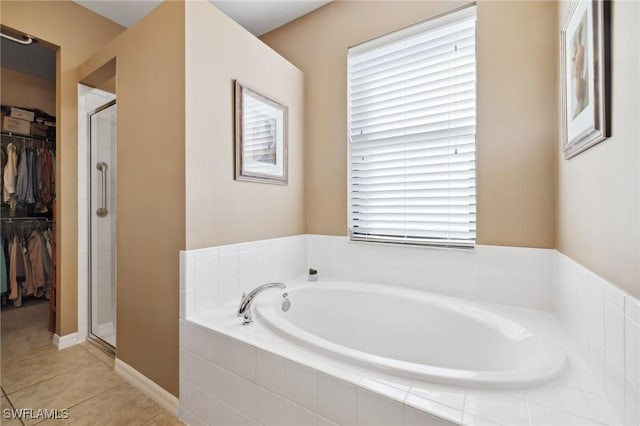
{"x": 102, "y": 225}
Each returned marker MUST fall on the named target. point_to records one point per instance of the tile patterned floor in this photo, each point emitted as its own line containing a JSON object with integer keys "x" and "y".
{"x": 80, "y": 379}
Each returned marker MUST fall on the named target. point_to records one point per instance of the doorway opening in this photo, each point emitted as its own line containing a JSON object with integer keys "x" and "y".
{"x": 28, "y": 200}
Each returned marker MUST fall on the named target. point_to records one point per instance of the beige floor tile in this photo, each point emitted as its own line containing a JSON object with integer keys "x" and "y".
{"x": 164, "y": 419}
{"x": 5, "y": 404}
{"x": 6, "y": 360}
{"x": 68, "y": 389}
{"x": 25, "y": 329}
{"x": 123, "y": 405}
{"x": 99, "y": 353}
{"x": 43, "y": 365}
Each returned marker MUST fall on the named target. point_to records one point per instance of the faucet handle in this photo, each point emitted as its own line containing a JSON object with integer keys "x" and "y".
{"x": 247, "y": 318}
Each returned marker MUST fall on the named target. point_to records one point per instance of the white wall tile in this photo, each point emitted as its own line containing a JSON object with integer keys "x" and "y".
{"x": 229, "y": 289}
{"x": 564, "y": 399}
{"x": 500, "y": 409}
{"x": 295, "y": 415}
{"x": 221, "y": 274}
{"x": 599, "y": 409}
{"x": 337, "y": 400}
{"x": 601, "y": 319}
{"x": 614, "y": 390}
{"x": 301, "y": 384}
{"x": 441, "y": 394}
{"x": 384, "y": 385}
{"x": 541, "y": 415}
{"x": 440, "y": 411}
{"x": 201, "y": 403}
{"x": 374, "y": 410}
{"x": 413, "y": 417}
{"x": 632, "y": 350}
{"x": 198, "y": 371}
{"x": 613, "y": 337}
{"x": 240, "y": 358}
{"x": 632, "y": 309}
{"x": 270, "y": 371}
{"x": 218, "y": 344}
{"x": 188, "y": 418}
{"x": 326, "y": 422}
{"x": 270, "y": 409}
{"x": 217, "y": 414}
{"x": 248, "y": 278}
{"x": 205, "y": 297}
{"x": 612, "y": 294}
{"x": 471, "y": 420}
{"x": 241, "y": 394}
{"x": 206, "y": 268}
{"x": 200, "y": 341}
{"x": 632, "y": 405}
{"x": 596, "y": 315}
{"x": 263, "y": 261}
{"x": 228, "y": 261}
{"x": 219, "y": 379}
{"x": 236, "y": 418}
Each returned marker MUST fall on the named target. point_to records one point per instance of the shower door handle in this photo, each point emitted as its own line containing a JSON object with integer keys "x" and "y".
{"x": 102, "y": 167}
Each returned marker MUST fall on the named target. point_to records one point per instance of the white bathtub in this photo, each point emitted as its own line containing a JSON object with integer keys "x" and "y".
{"x": 413, "y": 334}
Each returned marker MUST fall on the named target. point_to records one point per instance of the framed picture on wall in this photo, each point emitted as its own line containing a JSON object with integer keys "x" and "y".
{"x": 585, "y": 58}
{"x": 261, "y": 137}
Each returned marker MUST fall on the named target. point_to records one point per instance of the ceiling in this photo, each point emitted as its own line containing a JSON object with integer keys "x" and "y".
{"x": 257, "y": 16}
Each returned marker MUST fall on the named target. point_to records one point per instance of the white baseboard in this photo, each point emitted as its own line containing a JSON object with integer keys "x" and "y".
{"x": 65, "y": 341}
{"x": 146, "y": 386}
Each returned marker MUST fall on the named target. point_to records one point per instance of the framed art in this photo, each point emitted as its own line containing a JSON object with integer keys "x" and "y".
{"x": 261, "y": 137}
{"x": 585, "y": 58}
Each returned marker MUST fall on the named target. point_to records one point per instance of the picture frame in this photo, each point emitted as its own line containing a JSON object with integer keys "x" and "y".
{"x": 261, "y": 137}
{"x": 586, "y": 84}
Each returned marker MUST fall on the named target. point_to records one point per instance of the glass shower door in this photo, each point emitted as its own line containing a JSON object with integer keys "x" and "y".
{"x": 102, "y": 288}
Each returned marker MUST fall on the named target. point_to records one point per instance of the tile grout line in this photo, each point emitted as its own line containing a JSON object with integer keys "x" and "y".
{"x": 96, "y": 356}
{"x": 11, "y": 404}
{"x": 94, "y": 396}
{"x": 49, "y": 378}
{"x": 19, "y": 357}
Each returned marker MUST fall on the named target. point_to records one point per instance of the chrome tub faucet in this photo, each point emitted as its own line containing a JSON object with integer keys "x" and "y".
{"x": 245, "y": 303}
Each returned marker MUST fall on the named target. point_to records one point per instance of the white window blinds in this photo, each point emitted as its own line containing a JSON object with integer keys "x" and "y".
{"x": 412, "y": 125}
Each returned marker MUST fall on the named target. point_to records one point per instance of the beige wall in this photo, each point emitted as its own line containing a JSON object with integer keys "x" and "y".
{"x": 221, "y": 210}
{"x": 150, "y": 90}
{"x": 598, "y": 190}
{"x": 19, "y": 89}
{"x": 78, "y": 33}
{"x": 516, "y": 109}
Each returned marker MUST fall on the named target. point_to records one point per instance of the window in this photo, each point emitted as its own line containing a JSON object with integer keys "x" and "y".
{"x": 412, "y": 127}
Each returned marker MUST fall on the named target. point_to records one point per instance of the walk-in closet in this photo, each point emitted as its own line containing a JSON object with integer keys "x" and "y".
{"x": 28, "y": 180}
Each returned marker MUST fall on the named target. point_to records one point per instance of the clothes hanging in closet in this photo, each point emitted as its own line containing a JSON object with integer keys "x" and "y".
{"x": 28, "y": 264}
{"x": 10, "y": 174}
{"x": 3, "y": 271}
{"x": 29, "y": 177}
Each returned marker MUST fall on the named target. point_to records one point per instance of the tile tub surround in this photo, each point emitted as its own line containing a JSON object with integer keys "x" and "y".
{"x": 507, "y": 275}
{"x": 215, "y": 275}
{"x": 232, "y": 374}
{"x": 594, "y": 319}
{"x": 604, "y": 324}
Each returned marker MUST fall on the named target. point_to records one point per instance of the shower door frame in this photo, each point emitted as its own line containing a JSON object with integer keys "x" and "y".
{"x": 93, "y": 338}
